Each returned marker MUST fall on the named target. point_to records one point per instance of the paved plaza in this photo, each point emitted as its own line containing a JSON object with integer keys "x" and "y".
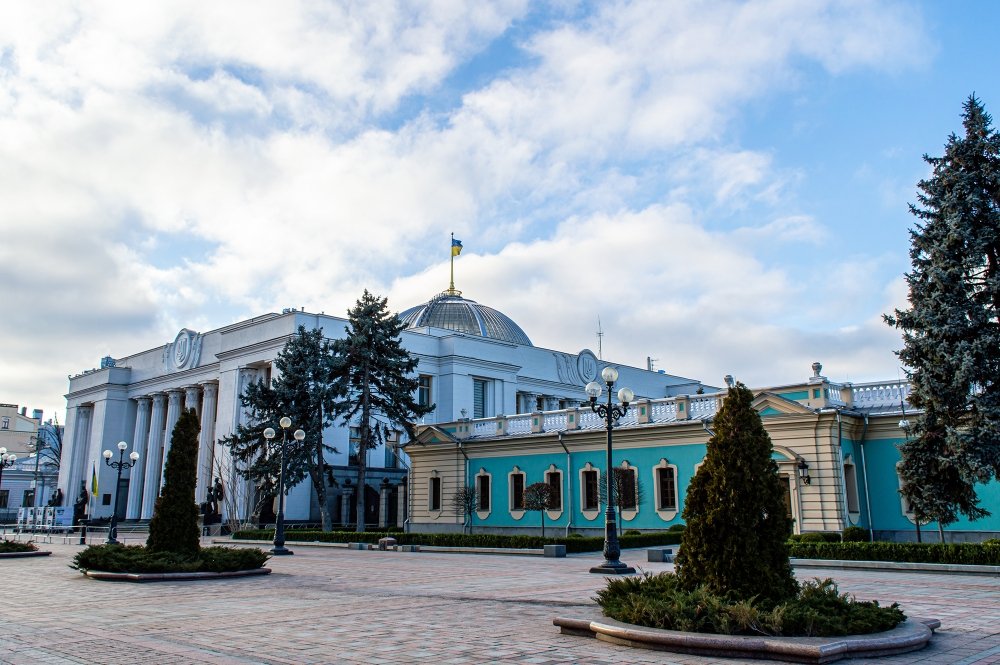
{"x": 333, "y": 605}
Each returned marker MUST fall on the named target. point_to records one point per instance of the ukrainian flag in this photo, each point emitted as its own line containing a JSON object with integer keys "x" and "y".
{"x": 456, "y": 247}
{"x": 93, "y": 481}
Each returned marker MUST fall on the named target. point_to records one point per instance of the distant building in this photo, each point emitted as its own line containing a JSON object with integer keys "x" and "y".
{"x": 474, "y": 362}
{"x": 17, "y": 428}
{"x": 19, "y": 434}
{"x": 835, "y": 446}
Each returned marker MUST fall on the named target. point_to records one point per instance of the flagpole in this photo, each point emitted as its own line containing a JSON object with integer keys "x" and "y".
{"x": 451, "y": 286}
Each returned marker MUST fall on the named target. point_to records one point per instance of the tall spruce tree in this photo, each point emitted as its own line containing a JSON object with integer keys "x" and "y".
{"x": 303, "y": 389}
{"x": 737, "y": 529}
{"x": 174, "y": 527}
{"x": 377, "y": 390}
{"x": 951, "y": 332}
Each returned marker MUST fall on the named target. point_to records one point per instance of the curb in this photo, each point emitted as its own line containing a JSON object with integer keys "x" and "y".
{"x": 943, "y": 568}
{"x": 911, "y": 635}
{"x": 19, "y": 555}
{"x": 172, "y": 577}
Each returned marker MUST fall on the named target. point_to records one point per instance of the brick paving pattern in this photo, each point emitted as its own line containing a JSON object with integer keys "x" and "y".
{"x": 326, "y": 605}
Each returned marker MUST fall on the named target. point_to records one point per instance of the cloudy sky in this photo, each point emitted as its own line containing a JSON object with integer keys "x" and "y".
{"x": 724, "y": 185}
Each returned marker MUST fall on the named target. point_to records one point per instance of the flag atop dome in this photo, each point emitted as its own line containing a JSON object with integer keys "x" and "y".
{"x": 456, "y": 249}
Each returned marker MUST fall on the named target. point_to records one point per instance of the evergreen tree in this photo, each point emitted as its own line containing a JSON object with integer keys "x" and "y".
{"x": 174, "y": 527}
{"x": 378, "y": 393}
{"x": 951, "y": 332}
{"x": 737, "y": 528}
{"x": 303, "y": 389}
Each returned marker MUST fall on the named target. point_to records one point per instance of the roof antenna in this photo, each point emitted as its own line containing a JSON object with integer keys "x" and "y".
{"x": 600, "y": 337}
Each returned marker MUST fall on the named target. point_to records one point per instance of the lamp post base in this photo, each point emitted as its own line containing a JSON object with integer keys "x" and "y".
{"x": 280, "y": 550}
{"x": 613, "y": 568}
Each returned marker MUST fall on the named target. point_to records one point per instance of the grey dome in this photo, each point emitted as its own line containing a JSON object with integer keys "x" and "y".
{"x": 449, "y": 310}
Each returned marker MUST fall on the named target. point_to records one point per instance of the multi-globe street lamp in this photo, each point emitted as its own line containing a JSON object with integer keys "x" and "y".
{"x": 119, "y": 465}
{"x": 610, "y": 413}
{"x": 279, "y": 525}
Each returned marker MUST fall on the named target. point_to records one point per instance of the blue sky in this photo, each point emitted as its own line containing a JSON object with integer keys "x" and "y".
{"x": 724, "y": 184}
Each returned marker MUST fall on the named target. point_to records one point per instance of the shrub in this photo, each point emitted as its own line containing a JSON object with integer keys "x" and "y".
{"x": 674, "y": 528}
{"x": 856, "y": 534}
{"x": 961, "y": 553}
{"x": 174, "y": 527}
{"x": 139, "y": 559}
{"x": 660, "y": 601}
{"x": 812, "y": 538}
{"x": 10, "y": 547}
{"x": 633, "y": 532}
{"x": 574, "y": 542}
{"x": 735, "y": 543}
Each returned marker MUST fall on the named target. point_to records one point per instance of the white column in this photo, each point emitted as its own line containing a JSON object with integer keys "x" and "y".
{"x": 81, "y": 444}
{"x": 151, "y": 483}
{"x": 206, "y": 441}
{"x": 139, "y": 444}
{"x": 192, "y": 399}
{"x": 173, "y": 415}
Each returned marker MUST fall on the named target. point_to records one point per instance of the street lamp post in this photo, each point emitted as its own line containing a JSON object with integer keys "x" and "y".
{"x": 610, "y": 412}
{"x": 6, "y": 461}
{"x": 119, "y": 465}
{"x": 279, "y": 525}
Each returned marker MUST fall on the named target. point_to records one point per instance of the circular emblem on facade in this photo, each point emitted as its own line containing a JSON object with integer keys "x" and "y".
{"x": 586, "y": 365}
{"x": 182, "y": 348}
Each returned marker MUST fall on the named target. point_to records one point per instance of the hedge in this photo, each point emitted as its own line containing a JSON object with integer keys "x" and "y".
{"x": 961, "y": 553}
{"x": 574, "y": 544}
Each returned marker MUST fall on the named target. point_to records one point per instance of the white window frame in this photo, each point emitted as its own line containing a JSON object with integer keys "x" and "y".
{"x": 629, "y": 514}
{"x": 555, "y": 514}
{"x": 430, "y": 492}
{"x": 480, "y": 513}
{"x": 588, "y": 514}
{"x": 516, "y": 513}
{"x": 665, "y": 514}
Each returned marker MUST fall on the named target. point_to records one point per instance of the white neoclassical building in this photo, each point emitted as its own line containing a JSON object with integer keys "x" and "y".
{"x": 474, "y": 362}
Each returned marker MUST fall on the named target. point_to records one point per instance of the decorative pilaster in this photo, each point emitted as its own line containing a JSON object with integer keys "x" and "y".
{"x": 154, "y": 456}
{"x": 401, "y": 503}
{"x": 346, "y": 492}
{"x": 140, "y": 440}
{"x": 206, "y": 440}
{"x": 384, "y": 491}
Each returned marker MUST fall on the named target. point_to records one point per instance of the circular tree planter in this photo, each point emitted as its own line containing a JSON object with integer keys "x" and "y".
{"x": 911, "y": 635}
{"x": 173, "y": 577}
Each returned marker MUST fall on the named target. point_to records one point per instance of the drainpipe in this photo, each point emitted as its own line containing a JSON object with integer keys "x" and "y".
{"x": 864, "y": 470}
{"x": 466, "y": 519}
{"x": 568, "y": 499}
{"x": 840, "y": 471}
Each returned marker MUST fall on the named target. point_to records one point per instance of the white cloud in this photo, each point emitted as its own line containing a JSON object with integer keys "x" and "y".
{"x": 266, "y": 136}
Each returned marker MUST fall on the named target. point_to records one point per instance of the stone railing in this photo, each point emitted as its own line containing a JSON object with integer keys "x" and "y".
{"x": 880, "y": 395}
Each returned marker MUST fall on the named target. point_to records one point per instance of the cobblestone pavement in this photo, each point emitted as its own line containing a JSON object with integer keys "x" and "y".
{"x": 326, "y": 605}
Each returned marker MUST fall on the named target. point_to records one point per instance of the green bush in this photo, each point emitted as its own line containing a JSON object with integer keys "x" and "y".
{"x": 659, "y": 601}
{"x": 959, "y": 553}
{"x": 139, "y": 559}
{"x": 675, "y": 528}
{"x": 633, "y": 532}
{"x": 574, "y": 542}
{"x": 575, "y": 535}
{"x": 811, "y": 538}
{"x": 10, "y": 547}
{"x": 855, "y": 534}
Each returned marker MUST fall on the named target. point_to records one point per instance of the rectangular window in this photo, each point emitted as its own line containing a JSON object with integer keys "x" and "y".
{"x": 483, "y": 491}
{"x": 3, "y": 498}
{"x": 28, "y": 499}
{"x": 105, "y": 499}
{"x": 554, "y": 480}
{"x": 591, "y": 497}
{"x": 667, "y": 481}
{"x": 517, "y": 491}
{"x": 354, "y": 447}
{"x": 434, "y": 500}
{"x": 479, "y": 398}
{"x": 851, "y": 487}
{"x": 424, "y": 390}
{"x": 787, "y": 487}
{"x": 5, "y": 423}
{"x": 625, "y": 487}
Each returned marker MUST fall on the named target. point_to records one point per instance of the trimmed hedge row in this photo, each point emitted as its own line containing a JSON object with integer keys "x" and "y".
{"x": 573, "y": 544}
{"x": 961, "y": 553}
